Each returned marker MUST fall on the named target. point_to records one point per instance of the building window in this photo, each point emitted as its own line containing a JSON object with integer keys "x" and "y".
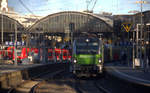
{"x": 148, "y": 27}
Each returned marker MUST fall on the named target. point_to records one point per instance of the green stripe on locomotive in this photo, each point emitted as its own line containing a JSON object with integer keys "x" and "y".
{"x": 88, "y": 59}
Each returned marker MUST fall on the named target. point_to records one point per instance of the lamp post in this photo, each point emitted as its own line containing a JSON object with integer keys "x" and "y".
{"x": 2, "y": 30}
{"x": 147, "y": 60}
{"x": 1, "y": 34}
{"x": 15, "y": 44}
{"x": 72, "y": 28}
{"x": 102, "y": 45}
{"x": 135, "y": 32}
{"x": 141, "y": 30}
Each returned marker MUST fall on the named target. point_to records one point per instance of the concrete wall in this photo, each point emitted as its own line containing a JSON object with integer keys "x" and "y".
{"x": 15, "y": 78}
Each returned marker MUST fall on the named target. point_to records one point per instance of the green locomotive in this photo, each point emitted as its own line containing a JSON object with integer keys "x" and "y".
{"x": 87, "y": 56}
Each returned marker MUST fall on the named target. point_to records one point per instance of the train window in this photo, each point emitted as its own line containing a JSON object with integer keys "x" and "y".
{"x": 81, "y": 44}
{"x": 57, "y": 54}
{"x": 93, "y": 44}
{"x": 64, "y": 54}
{"x": 50, "y": 54}
{"x": 18, "y": 53}
{"x": 86, "y": 51}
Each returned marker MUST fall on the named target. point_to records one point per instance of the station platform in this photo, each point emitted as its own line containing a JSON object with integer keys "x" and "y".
{"x": 126, "y": 72}
{"x": 6, "y": 66}
{"x": 12, "y": 75}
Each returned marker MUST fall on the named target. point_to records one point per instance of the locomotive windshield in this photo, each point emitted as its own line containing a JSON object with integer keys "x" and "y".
{"x": 87, "y": 47}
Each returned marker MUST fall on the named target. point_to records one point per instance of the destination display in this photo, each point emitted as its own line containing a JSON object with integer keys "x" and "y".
{"x": 18, "y": 43}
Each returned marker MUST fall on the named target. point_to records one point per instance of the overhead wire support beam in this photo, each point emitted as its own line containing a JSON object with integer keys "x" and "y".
{"x": 88, "y": 3}
{"x": 94, "y": 5}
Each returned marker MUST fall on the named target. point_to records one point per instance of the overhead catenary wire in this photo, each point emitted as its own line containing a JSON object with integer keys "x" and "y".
{"x": 27, "y": 9}
{"x": 88, "y": 3}
{"x": 37, "y": 19}
{"x": 94, "y": 5}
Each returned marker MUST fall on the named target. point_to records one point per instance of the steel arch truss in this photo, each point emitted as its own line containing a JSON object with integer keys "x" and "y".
{"x": 83, "y": 22}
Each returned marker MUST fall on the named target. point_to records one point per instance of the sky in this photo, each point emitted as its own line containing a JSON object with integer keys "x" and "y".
{"x": 46, "y": 7}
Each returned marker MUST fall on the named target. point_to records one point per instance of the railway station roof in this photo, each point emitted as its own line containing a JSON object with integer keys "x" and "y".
{"x": 10, "y": 24}
{"x": 62, "y": 22}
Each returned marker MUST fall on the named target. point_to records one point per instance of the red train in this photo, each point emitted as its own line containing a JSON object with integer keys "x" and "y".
{"x": 23, "y": 53}
{"x": 59, "y": 54}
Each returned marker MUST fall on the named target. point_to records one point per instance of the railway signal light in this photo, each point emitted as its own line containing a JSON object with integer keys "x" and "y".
{"x": 127, "y": 26}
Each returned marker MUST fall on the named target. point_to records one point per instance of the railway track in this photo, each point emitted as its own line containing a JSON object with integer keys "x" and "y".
{"x": 89, "y": 86}
{"x": 57, "y": 84}
{"x": 37, "y": 77}
{"x": 65, "y": 82}
{"x": 45, "y": 78}
{"x": 59, "y": 81}
{"x": 28, "y": 85}
{"x": 69, "y": 84}
{"x": 101, "y": 88}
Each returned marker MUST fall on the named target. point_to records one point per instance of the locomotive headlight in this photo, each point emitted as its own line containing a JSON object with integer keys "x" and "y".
{"x": 99, "y": 60}
{"x": 75, "y": 61}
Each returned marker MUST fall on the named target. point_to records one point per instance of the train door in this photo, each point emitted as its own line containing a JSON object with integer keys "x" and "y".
{"x": 0, "y": 54}
{"x": 24, "y": 53}
{"x": 35, "y": 52}
{"x": 10, "y": 52}
{"x": 64, "y": 54}
{"x": 41, "y": 52}
{"x": 69, "y": 55}
{"x": 19, "y": 53}
{"x": 50, "y": 55}
{"x": 57, "y": 54}
{"x": 3, "y": 52}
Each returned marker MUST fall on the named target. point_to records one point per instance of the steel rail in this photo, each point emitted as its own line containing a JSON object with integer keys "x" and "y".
{"x": 12, "y": 90}
{"x": 35, "y": 87}
{"x": 96, "y": 85}
{"x": 101, "y": 88}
